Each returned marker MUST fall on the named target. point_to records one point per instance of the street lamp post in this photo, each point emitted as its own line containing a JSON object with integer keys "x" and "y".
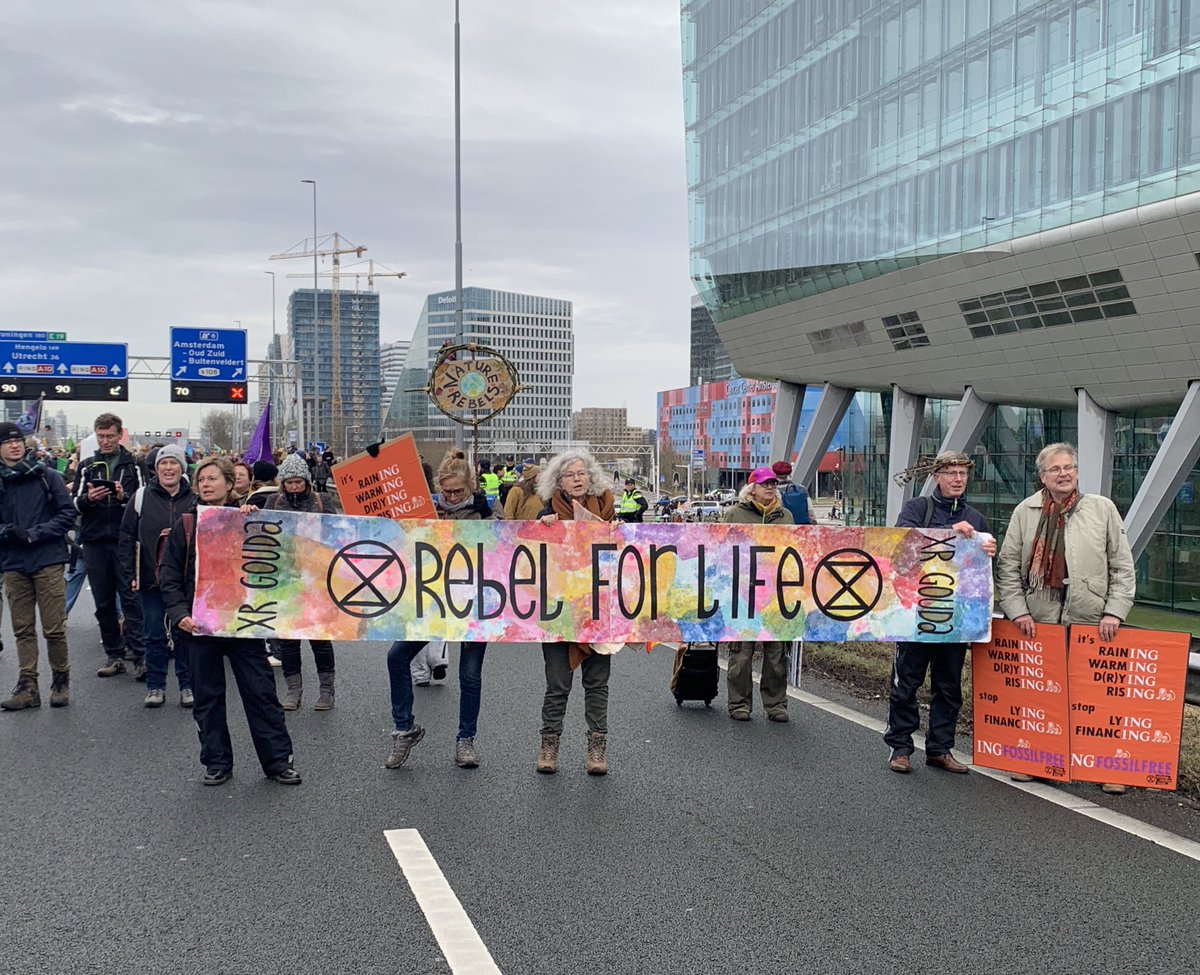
{"x": 458, "y": 262}
{"x": 317, "y": 427}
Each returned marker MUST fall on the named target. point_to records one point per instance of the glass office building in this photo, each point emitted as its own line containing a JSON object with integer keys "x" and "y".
{"x": 834, "y": 142}
{"x": 830, "y": 141}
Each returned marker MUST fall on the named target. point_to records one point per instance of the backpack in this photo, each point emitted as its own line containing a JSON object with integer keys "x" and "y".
{"x": 795, "y": 499}
{"x": 160, "y": 546}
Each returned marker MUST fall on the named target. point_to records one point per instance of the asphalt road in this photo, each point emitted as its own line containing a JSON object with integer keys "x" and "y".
{"x": 712, "y": 847}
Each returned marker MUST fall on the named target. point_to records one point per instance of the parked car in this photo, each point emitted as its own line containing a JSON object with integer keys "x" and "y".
{"x": 698, "y": 511}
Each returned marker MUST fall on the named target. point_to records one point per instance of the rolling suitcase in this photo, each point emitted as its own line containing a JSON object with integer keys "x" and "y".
{"x": 697, "y": 674}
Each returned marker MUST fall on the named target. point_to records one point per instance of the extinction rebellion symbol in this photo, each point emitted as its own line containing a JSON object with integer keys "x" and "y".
{"x": 847, "y": 584}
{"x": 366, "y": 579}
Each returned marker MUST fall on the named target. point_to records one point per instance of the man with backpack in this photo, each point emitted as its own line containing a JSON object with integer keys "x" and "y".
{"x": 792, "y": 495}
{"x": 35, "y": 515}
{"x": 144, "y": 529}
{"x": 944, "y": 508}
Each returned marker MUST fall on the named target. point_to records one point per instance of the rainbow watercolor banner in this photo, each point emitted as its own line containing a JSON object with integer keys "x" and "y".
{"x": 338, "y": 577}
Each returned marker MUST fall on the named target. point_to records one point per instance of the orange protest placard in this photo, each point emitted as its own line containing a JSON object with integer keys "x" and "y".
{"x": 1127, "y": 706}
{"x": 389, "y": 485}
{"x": 1019, "y": 688}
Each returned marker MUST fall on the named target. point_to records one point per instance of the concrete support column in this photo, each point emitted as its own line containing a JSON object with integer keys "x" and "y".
{"x": 908, "y": 413}
{"x": 1172, "y": 464}
{"x": 789, "y": 400}
{"x": 970, "y": 420}
{"x": 1097, "y": 434}
{"x": 834, "y": 402}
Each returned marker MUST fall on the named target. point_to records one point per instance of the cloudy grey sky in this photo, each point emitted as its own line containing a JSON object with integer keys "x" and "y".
{"x": 154, "y": 148}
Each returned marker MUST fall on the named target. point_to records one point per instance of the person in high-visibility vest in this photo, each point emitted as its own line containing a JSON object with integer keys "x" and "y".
{"x": 633, "y": 503}
{"x": 489, "y": 480}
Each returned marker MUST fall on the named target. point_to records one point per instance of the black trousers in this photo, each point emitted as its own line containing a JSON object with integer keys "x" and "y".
{"x": 256, "y": 685}
{"x": 288, "y": 652}
{"x": 107, "y": 582}
{"x": 944, "y": 661}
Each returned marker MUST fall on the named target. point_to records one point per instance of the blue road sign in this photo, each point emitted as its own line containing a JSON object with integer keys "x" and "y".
{"x": 22, "y": 336}
{"x": 215, "y": 355}
{"x": 63, "y": 359}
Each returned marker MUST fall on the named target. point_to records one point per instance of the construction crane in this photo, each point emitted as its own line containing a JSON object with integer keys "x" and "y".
{"x": 371, "y": 272}
{"x": 335, "y": 247}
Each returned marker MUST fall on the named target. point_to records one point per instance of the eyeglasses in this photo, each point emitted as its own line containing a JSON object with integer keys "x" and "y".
{"x": 954, "y": 475}
{"x": 572, "y": 474}
{"x": 453, "y": 492}
{"x": 1064, "y": 469}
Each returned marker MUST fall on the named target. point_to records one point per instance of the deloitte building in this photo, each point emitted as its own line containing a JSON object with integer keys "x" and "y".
{"x": 977, "y": 219}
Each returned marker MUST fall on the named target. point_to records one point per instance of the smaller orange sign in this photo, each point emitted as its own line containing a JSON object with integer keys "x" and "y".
{"x": 1127, "y": 706}
{"x": 390, "y": 485}
{"x": 1019, "y": 688}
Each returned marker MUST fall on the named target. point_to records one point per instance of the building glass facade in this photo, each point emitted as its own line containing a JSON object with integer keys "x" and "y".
{"x": 310, "y": 337}
{"x": 830, "y": 141}
{"x": 532, "y": 331}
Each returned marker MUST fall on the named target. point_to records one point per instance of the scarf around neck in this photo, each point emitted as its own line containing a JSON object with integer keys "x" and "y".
{"x": 21, "y": 469}
{"x": 1048, "y": 560}
{"x": 601, "y": 506}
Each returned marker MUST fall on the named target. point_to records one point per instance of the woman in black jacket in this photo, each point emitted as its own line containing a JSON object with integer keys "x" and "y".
{"x": 151, "y": 512}
{"x": 296, "y": 494}
{"x": 247, "y": 658}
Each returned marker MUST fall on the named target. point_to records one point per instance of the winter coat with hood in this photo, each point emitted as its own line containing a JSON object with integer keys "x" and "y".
{"x": 523, "y": 503}
{"x": 36, "y": 500}
{"x": 101, "y": 520}
{"x": 946, "y": 513}
{"x": 477, "y": 510}
{"x": 160, "y": 510}
{"x": 306, "y": 500}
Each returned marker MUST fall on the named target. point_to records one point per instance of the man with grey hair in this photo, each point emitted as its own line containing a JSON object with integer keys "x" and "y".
{"x": 944, "y": 508}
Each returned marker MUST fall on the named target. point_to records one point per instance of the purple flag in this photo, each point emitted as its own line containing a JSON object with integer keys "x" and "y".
{"x": 259, "y": 447}
{"x": 31, "y": 418}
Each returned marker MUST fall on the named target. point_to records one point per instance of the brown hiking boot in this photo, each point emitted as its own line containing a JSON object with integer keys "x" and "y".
{"x": 24, "y": 695}
{"x": 547, "y": 760}
{"x": 115, "y": 665}
{"x": 295, "y": 689}
{"x": 597, "y": 763}
{"x": 325, "y": 698}
{"x": 60, "y": 690}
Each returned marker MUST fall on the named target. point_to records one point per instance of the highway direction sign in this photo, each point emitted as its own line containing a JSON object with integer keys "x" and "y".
{"x": 63, "y": 370}
{"x": 216, "y": 355}
{"x": 22, "y": 336}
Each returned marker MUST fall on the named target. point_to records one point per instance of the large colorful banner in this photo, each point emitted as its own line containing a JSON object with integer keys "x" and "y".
{"x": 337, "y": 577}
{"x": 1022, "y": 715}
{"x": 1127, "y": 706}
{"x": 1076, "y": 708}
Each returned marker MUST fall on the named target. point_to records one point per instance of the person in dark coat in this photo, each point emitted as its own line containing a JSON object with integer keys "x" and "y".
{"x": 105, "y": 483}
{"x": 945, "y": 508}
{"x": 213, "y": 482}
{"x": 153, "y": 510}
{"x": 296, "y": 494}
{"x": 35, "y": 515}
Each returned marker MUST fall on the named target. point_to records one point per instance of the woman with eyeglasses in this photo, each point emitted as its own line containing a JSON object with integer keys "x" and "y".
{"x": 458, "y": 497}
{"x": 572, "y": 482}
{"x": 1065, "y": 558}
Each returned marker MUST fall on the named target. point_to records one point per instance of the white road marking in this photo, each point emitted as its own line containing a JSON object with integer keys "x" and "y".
{"x": 1102, "y": 814}
{"x": 465, "y": 952}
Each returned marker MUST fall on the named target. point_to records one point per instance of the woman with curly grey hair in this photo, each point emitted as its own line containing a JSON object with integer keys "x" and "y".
{"x": 569, "y": 481}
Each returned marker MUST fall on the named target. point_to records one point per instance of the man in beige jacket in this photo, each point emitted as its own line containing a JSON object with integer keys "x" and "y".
{"x": 1065, "y": 557}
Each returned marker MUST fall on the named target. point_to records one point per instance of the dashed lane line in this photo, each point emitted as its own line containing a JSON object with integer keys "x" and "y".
{"x": 465, "y": 952}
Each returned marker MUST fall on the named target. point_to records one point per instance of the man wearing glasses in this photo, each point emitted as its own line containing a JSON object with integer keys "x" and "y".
{"x": 945, "y": 508}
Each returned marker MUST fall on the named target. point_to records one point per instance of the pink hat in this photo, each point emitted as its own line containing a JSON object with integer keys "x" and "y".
{"x": 760, "y": 475}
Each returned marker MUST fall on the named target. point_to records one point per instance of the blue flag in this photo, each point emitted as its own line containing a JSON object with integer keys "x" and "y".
{"x": 31, "y": 419}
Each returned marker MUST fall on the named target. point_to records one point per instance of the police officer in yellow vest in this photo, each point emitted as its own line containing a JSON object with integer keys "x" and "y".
{"x": 633, "y": 503}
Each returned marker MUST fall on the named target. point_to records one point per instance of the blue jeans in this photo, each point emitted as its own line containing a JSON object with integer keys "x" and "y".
{"x": 76, "y": 577}
{"x": 470, "y": 684}
{"x": 158, "y": 651}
